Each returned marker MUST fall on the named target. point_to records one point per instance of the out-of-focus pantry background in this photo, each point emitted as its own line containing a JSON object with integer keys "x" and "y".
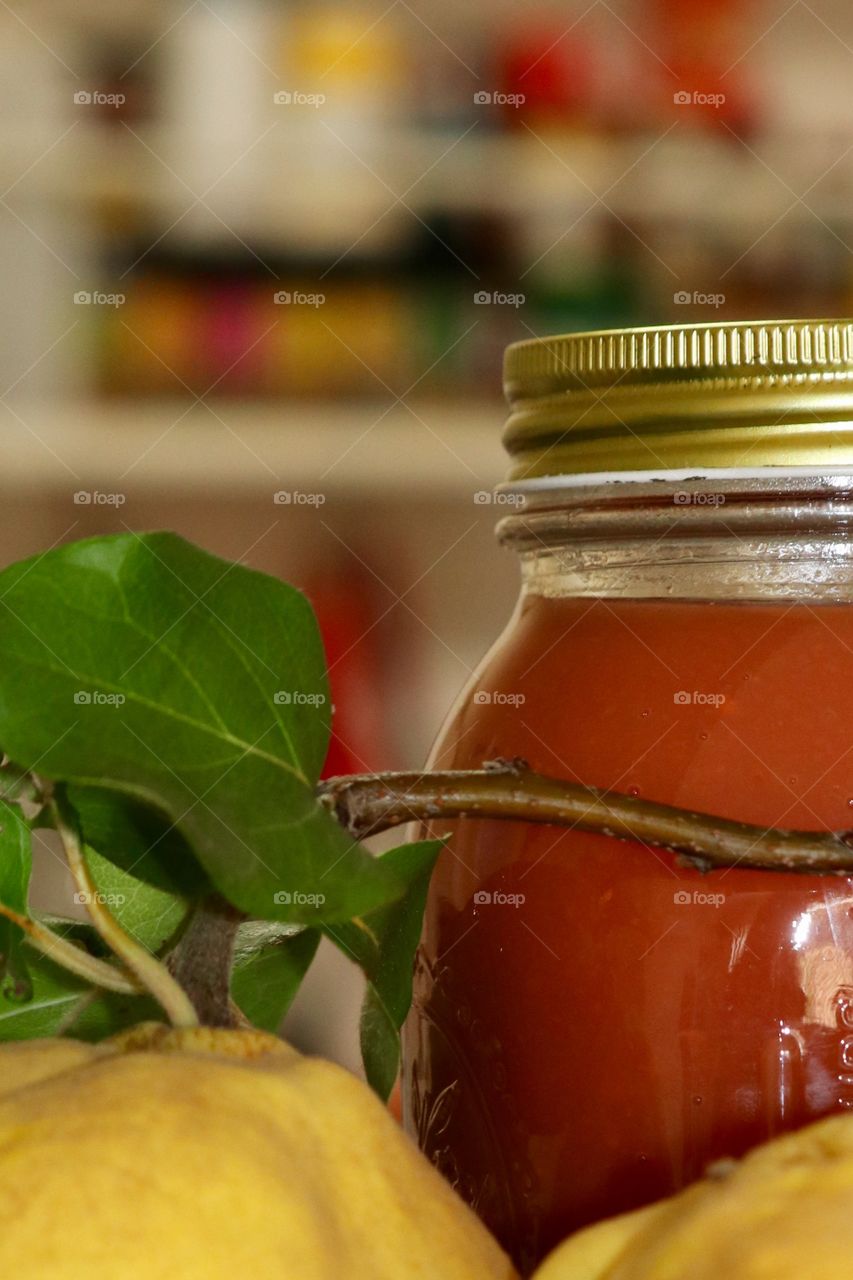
{"x": 259, "y": 261}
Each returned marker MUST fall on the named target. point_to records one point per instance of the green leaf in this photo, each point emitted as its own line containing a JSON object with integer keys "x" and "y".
{"x": 54, "y": 994}
{"x": 16, "y": 860}
{"x": 143, "y": 665}
{"x": 150, "y": 915}
{"x": 57, "y": 994}
{"x": 269, "y": 966}
{"x": 137, "y": 839}
{"x": 383, "y": 944}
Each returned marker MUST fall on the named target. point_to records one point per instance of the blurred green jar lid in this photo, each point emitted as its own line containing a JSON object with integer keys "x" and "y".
{"x": 752, "y": 394}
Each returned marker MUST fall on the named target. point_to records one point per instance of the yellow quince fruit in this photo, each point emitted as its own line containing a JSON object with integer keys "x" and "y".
{"x": 783, "y": 1212}
{"x": 211, "y": 1155}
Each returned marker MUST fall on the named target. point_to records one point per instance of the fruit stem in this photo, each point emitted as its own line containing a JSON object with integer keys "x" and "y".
{"x": 70, "y": 956}
{"x": 201, "y": 962}
{"x": 151, "y": 972}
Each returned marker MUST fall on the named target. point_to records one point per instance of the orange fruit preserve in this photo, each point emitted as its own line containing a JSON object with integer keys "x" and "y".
{"x": 593, "y": 1021}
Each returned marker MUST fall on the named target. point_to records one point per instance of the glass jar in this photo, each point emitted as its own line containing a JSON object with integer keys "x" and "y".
{"x": 594, "y": 1022}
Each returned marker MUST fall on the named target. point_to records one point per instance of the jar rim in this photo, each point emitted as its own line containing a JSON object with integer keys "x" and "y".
{"x": 840, "y": 476}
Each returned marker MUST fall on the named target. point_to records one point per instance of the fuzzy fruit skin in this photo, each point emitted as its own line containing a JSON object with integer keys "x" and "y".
{"x": 784, "y": 1212}
{"x": 590, "y": 1254}
{"x": 215, "y": 1154}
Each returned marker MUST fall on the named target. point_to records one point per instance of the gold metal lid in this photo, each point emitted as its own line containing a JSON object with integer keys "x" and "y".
{"x": 751, "y": 394}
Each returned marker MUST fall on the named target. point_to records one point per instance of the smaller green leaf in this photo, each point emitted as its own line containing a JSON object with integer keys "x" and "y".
{"x": 16, "y": 860}
{"x": 150, "y": 915}
{"x": 379, "y": 1035}
{"x": 269, "y": 964}
{"x": 383, "y": 944}
{"x": 108, "y": 1013}
{"x": 138, "y": 839}
{"x": 17, "y": 984}
{"x": 58, "y": 994}
{"x": 54, "y": 993}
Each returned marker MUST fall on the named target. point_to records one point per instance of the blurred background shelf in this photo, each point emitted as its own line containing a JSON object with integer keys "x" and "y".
{"x": 423, "y": 452}
{"x": 470, "y": 169}
{"x": 579, "y": 166}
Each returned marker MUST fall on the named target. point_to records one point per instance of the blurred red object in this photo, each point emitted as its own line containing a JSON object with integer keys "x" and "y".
{"x": 552, "y": 72}
{"x": 348, "y": 609}
{"x": 702, "y": 43}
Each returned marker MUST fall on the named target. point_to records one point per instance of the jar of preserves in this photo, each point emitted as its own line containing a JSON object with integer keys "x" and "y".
{"x": 594, "y": 1023}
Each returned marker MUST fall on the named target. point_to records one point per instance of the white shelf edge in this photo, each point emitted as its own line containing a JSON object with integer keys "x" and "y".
{"x": 237, "y": 447}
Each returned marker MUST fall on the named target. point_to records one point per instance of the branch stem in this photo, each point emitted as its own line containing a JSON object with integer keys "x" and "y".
{"x": 510, "y": 791}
